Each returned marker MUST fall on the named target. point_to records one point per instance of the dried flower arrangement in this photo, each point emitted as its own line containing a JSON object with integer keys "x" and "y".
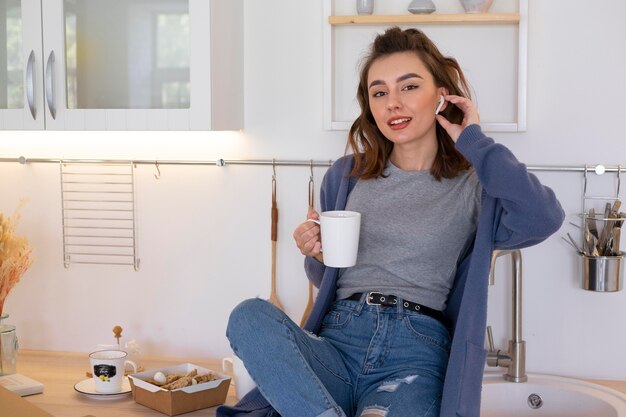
{"x": 15, "y": 254}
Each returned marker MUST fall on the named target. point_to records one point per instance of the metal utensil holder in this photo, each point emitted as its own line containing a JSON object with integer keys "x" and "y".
{"x": 600, "y": 273}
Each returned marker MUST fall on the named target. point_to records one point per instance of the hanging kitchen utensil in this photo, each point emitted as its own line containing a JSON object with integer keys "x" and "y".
{"x": 615, "y": 241}
{"x": 309, "y": 305}
{"x": 593, "y": 227}
{"x": 274, "y": 237}
{"x": 610, "y": 214}
{"x": 573, "y": 243}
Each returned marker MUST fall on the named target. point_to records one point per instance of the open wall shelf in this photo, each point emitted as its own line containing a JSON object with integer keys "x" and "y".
{"x": 434, "y": 18}
{"x": 341, "y": 28}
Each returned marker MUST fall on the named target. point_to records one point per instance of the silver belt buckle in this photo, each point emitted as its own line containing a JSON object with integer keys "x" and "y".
{"x": 369, "y": 297}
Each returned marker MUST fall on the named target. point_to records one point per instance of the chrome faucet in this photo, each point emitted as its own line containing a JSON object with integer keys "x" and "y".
{"x": 515, "y": 358}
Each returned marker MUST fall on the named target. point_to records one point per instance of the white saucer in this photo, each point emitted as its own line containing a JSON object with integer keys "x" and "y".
{"x": 88, "y": 388}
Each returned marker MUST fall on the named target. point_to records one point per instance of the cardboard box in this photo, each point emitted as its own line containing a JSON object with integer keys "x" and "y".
{"x": 182, "y": 400}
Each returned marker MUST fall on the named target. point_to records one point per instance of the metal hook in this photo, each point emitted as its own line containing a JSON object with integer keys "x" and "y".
{"x": 619, "y": 171}
{"x": 585, "y": 183}
{"x": 311, "y": 188}
{"x": 582, "y": 219}
{"x": 274, "y": 169}
{"x": 273, "y": 183}
{"x": 156, "y": 164}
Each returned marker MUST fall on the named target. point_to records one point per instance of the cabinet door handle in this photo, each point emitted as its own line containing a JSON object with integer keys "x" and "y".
{"x": 30, "y": 84}
{"x": 50, "y": 85}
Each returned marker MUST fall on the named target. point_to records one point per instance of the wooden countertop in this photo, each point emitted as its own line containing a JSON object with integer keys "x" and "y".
{"x": 616, "y": 385}
{"x": 60, "y": 371}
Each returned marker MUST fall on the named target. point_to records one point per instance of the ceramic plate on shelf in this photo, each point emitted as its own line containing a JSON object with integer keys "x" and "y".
{"x": 88, "y": 389}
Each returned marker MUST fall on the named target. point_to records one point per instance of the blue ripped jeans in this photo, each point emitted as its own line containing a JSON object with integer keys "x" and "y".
{"x": 367, "y": 359}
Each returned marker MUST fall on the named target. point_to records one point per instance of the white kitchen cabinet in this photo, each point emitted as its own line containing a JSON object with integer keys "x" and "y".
{"x": 121, "y": 64}
{"x": 21, "y": 99}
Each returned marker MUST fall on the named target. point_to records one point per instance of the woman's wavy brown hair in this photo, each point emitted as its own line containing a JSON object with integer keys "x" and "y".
{"x": 367, "y": 141}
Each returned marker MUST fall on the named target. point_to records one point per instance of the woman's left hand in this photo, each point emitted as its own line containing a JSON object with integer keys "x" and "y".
{"x": 470, "y": 116}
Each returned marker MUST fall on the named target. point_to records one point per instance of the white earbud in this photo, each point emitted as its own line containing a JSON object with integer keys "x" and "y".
{"x": 440, "y": 105}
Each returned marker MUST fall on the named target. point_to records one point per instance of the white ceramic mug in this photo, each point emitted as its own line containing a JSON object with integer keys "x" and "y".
{"x": 108, "y": 370}
{"x": 340, "y": 237}
{"x": 241, "y": 378}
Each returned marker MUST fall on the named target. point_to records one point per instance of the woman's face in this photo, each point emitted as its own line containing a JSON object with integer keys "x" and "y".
{"x": 403, "y": 98}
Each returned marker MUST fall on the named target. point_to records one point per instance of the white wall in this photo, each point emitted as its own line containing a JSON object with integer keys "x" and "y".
{"x": 204, "y": 237}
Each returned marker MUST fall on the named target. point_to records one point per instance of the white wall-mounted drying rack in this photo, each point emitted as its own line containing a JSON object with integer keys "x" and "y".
{"x": 98, "y": 213}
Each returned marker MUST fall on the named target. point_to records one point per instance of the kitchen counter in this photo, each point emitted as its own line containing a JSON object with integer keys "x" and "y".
{"x": 616, "y": 385}
{"x": 60, "y": 371}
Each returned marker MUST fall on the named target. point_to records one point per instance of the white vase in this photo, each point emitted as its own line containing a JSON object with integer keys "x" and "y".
{"x": 476, "y": 6}
{"x": 364, "y": 6}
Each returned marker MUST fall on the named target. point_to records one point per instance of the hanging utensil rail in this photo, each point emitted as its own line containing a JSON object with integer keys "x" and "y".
{"x": 598, "y": 169}
{"x": 218, "y": 162}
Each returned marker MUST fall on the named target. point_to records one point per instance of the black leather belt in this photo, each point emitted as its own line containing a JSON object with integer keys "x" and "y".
{"x": 379, "y": 299}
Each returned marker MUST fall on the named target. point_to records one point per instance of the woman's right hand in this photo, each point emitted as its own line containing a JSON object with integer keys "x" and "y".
{"x": 470, "y": 116}
{"x": 308, "y": 238}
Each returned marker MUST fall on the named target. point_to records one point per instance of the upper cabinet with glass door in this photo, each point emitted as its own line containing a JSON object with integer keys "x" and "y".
{"x": 21, "y": 99}
{"x": 121, "y": 64}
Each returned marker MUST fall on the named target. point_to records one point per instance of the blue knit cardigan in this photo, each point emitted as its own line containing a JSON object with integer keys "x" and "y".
{"x": 517, "y": 211}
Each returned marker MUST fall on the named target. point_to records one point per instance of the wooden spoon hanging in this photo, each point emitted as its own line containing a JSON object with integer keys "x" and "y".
{"x": 274, "y": 237}
{"x": 309, "y": 305}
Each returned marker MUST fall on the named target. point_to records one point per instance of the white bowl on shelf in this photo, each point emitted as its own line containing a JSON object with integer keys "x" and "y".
{"x": 422, "y": 7}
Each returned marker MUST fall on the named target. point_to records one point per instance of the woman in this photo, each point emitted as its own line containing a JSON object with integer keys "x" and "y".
{"x": 400, "y": 333}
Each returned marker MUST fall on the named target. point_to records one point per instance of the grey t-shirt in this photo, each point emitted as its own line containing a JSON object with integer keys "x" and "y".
{"x": 414, "y": 230}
